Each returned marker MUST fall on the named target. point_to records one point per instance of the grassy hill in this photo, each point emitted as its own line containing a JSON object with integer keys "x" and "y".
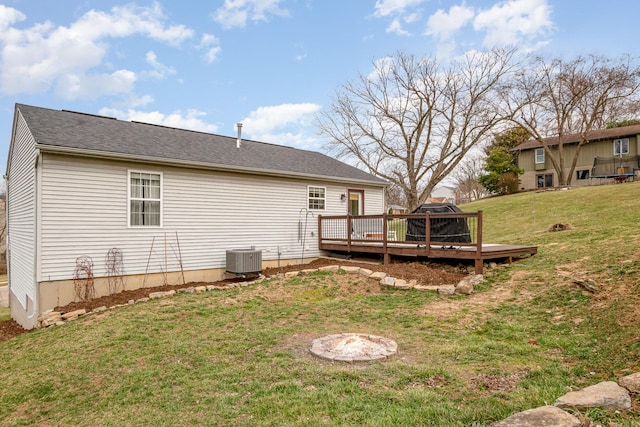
{"x": 602, "y": 244}
{"x": 239, "y": 357}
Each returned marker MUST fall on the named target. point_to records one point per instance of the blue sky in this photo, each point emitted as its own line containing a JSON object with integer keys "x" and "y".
{"x": 271, "y": 64}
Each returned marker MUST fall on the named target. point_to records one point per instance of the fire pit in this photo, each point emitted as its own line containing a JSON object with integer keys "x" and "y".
{"x": 353, "y": 347}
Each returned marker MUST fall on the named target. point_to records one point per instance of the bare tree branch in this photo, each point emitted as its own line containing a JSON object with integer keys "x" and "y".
{"x": 411, "y": 121}
{"x": 556, "y": 98}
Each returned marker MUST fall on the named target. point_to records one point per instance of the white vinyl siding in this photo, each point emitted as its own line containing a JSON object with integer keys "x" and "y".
{"x": 84, "y": 212}
{"x": 21, "y": 200}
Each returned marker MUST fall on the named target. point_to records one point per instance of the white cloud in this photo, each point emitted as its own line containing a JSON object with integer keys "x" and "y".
{"x": 383, "y": 64}
{"x": 401, "y": 11}
{"x": 396, "y": 27}
{"x": 266, "y": 119}
{"x": 43, "y": 56}
{"x": 514, "y": 22}
{"x": 191, "y": 119}
{"x": 74, "y": 86}
{"x": 210, "y": 43}
{"x": 283, "y": 124}
{"x": 160, "y": 71}
{"x": 9, "y": 16}
{"x": 394, "y": 7}
{"x": 444, "y": 25}
{"x": 235, "y": 13}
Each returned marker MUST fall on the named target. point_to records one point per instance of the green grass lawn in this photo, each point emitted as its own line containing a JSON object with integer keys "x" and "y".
{"x": 239, "y": 357}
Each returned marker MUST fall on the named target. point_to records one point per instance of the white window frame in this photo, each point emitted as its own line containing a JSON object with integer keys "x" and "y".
{"x": 620, "y": 146}
{"x": 539, "y": 155}
{"x": 319, "y": 199}
{"x": 129, "y": 198}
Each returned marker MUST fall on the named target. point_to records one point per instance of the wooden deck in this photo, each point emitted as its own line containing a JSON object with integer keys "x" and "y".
{"x": 395, "y": 235}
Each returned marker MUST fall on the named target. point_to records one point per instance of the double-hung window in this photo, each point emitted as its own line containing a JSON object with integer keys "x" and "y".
{"x": 316, "y": 197}
{"x": 145, "y": 199}
{"x": 539, "y": 155}
{"x": 620, "y": 146}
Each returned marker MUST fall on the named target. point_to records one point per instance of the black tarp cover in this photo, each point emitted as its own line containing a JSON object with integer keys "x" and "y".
{"x": 454, "y": 230}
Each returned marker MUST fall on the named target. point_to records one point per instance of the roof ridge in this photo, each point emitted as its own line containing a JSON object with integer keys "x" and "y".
{"x": 89, "y": 114}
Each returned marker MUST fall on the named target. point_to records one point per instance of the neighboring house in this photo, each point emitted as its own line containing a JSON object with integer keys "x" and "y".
{"x": 397, "y": 210}
{"x": 442, "y": 194}
{"x": 610, "y": 155}
{"x": 439, "y": 200}
{"x": 170, "y": 201}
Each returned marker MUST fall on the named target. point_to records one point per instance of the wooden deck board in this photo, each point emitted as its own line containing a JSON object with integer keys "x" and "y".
{"x": 385, "y": 243}
{"x": 489, "y": 251}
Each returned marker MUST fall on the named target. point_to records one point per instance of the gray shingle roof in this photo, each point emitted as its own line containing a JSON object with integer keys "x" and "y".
{"x": 594, "y": 135}
{"x": 68, "y": 130}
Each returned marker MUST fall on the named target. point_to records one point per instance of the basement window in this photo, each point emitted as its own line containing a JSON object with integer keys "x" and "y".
{"x": 582, "y": 174}
{"x": 545, "y": 181}
{"x": 316, "y": 197}
{"x": 145, "y": 199}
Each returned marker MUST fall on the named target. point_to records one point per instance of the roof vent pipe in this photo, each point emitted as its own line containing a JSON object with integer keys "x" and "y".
{"x": 239, "y": 126}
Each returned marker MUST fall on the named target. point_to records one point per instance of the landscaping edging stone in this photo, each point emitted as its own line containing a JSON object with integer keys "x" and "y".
{"x": 57, "y": 318}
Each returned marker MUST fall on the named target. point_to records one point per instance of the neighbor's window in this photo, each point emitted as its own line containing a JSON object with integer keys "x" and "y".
{"x": 620, "y": 146}
{"x": 545, "y": 180}
{"x": 583, "y": 174}
{"x": 317, "y": 197}
{"x": 145, "y": 199}
{"x": 539, "y": 155}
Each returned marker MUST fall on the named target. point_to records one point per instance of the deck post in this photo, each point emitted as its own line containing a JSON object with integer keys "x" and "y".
{"x": 385, "y": 236}
{"x": 427, "y": 233}
{"x": 479, "y": 266}
{"x": 479, "y": 261}
{"x": 349, "y": 232}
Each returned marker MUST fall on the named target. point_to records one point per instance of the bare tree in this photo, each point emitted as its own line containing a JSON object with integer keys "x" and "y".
{"x": 466, "y": 178}
{"x": 394, "y": 196}
{"x": 411, "y": 121}
{"x": 556, "y": 98}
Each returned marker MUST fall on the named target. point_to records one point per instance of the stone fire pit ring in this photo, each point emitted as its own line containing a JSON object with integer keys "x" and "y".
{"x": 353, "y": 347}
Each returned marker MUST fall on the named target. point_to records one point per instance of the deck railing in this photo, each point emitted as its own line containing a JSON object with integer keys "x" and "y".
{"x": 427, "y": 229}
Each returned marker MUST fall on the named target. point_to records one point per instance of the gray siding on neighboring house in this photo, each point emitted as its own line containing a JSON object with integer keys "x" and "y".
{"x": 21, "y": 197}
{"x": 601, "y": 146}
{"x": 84, "y": 212}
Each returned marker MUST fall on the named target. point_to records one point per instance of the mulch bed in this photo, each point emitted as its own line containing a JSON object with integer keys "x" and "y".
{"x": 423, "y": 272}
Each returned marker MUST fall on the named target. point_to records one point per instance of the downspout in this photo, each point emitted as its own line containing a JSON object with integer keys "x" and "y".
{"x": 36, "y": 258}
{"x": 6, "y": 223}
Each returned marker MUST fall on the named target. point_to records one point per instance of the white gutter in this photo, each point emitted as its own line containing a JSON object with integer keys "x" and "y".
{"x": 198, "y": 165}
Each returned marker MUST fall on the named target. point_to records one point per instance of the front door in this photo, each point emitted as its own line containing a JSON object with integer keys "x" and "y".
{"x": 356, "y": 202}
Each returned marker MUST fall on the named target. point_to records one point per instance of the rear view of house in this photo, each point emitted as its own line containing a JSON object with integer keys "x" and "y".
{"x": 153, "y": 205}
{"x": 610, "y": 155}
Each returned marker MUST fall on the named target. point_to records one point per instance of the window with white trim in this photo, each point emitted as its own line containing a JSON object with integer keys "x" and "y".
{"x": 316, "y": 197}
{"x": 620, "y": 146}
{"x": 145, "y": 199}
{"x": 539, "y": 155}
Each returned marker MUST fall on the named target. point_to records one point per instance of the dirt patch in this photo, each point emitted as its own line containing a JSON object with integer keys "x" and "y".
{"x": 424, "y": 273}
